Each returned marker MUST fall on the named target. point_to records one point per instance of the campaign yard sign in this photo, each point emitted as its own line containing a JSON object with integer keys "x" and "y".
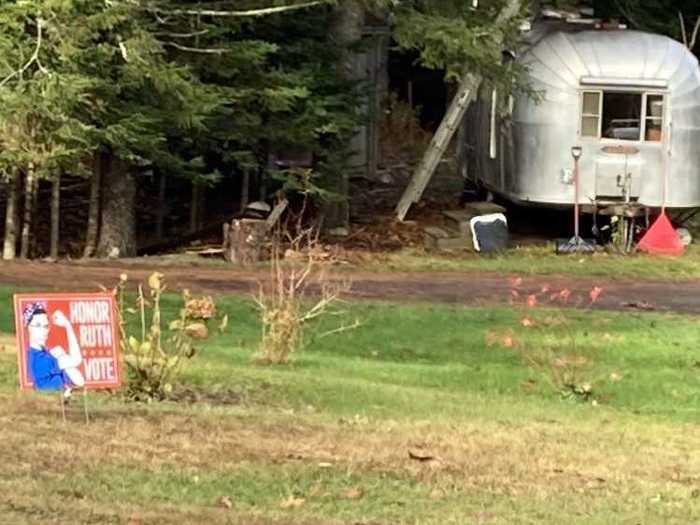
{"x": 67, "y": 340}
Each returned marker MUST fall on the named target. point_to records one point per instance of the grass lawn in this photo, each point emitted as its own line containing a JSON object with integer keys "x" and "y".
{"x": 527, "y": 260}
{"x": 423, "y": 415}
{"x": 538, "y": 260}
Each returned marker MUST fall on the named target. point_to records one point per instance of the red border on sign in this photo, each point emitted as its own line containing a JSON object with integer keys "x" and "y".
{"x": 20, "y": 331}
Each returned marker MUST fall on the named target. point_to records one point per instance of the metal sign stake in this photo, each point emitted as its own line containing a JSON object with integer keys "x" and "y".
{"x": 85, "y": 406}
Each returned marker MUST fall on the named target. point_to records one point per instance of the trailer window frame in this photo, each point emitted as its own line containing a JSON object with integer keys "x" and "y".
{"x": 644, "y": 113}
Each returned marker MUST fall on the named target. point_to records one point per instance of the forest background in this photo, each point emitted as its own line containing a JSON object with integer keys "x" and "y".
{"x": 125, "y": 98}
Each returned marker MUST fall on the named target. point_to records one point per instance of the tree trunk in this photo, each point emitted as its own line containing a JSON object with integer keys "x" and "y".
{"x": 161, "y": 210}
{"x": 55, "y": 213}
{"x": 118, "y": 224}
{"x": 346, "y": 26}
{"x": 243, "y": 240}
{"x": 245, "y": 190}
{"x": 94, "y": 207}
{"x": 29, "y": 191}
{"x": 11, "y": 226}
{"x": 195, "y": 207}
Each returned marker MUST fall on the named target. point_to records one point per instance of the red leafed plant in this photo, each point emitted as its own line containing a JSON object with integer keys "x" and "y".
{"x": 563, "y": 363}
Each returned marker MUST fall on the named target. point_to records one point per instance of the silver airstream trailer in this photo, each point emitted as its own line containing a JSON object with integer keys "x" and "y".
{"x": 630, "y": 100}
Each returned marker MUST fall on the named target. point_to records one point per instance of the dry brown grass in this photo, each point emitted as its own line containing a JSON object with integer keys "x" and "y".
{"x": 598, "y": 461}
{"x": 8, "y": 343}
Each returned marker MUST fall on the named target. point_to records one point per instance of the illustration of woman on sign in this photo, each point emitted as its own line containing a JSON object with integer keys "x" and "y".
{"x": 51, "y": 369}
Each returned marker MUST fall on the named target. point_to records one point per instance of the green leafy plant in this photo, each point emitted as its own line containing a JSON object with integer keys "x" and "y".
{"x": 155, "y": 356}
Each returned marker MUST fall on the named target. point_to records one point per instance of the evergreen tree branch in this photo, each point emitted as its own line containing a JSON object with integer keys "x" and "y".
{"x": 251, "y": 12}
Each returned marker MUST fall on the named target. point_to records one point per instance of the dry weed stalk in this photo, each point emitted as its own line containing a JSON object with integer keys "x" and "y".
{"x": 299, "y": 291}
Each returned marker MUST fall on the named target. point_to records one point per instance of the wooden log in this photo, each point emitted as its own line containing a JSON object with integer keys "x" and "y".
{"x": 276, "y": 213}
{"x": 243, "y": 241}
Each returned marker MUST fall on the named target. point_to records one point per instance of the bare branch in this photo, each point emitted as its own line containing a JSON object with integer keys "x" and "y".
{"x": 183, "y": 35}
{"x": 340, "y": 329}
{"x": 694, "y": 38}
{"x": 206, "y": 51}
{"x": 32, "y": 59}
{"x": 684, "y": 35}
{"x": 251, "y": 12}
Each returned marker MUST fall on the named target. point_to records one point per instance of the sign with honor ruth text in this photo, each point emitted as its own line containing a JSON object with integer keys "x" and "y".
{"x": 67, "y": 340}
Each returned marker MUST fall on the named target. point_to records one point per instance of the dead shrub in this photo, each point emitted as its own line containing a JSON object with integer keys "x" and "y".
{"x": 299, "y": 291}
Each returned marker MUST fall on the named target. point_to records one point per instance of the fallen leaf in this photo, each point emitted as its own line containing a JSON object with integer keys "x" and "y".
{"x": 532, "y": 300}
{"x": 292, "y": 502}
{"x": 595, "y": 293}
{"x": 508, "y": 341}
{"x": 527, "y": 322}
{"x": 355, "y": 493}
{"x": 225, "y": 502}
{"x": 515, "y": 281}
{"x": 420, "y": 456}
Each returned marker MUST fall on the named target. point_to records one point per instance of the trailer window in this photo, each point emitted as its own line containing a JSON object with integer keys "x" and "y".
{"x": 590, "y": 122}
{"x": 654, "y": 118}
{"x": 622, "y": 116}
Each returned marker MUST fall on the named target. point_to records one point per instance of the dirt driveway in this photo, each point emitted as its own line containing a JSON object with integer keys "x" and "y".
{"x": 442, "y": 287}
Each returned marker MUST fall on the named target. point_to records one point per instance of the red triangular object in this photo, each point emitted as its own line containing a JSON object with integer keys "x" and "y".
{"x": 661, "y": 238}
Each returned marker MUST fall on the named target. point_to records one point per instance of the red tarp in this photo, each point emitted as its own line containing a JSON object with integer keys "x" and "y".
{"x": 661, "y": 238}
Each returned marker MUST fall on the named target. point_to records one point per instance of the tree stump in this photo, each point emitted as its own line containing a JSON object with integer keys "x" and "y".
{"x": 243, "y": 240}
